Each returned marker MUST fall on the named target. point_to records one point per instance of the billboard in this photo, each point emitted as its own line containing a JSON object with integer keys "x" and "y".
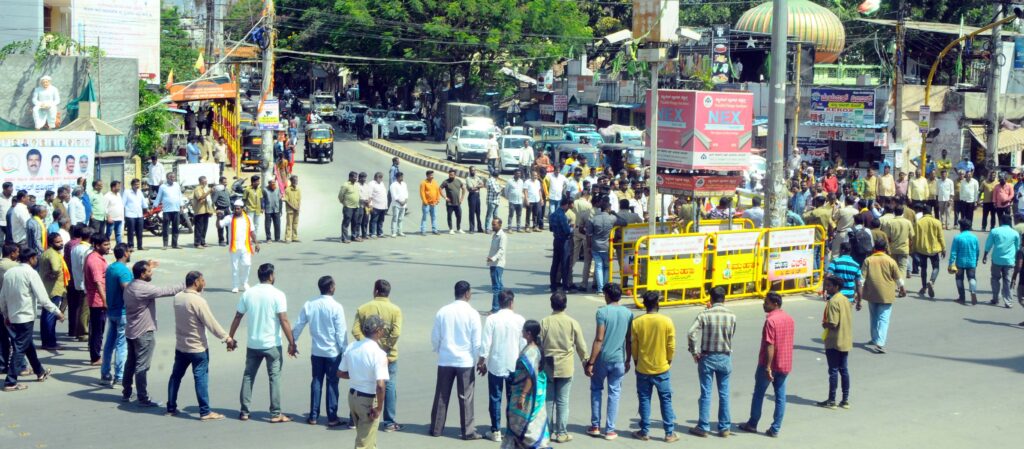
{"x": 700, "y": 130}
{"x": 122, "y": 29}
{"x": 655, "y": 20}
{"x": 843, "y": 106}
{"x": 38, "y": 161}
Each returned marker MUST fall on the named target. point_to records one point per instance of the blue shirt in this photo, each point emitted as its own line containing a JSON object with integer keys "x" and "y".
{"x": 53, "y": 228}
{"x": 616, "y": 321}
{"x": 326, "y": 320}
{"x": 261, "y": 305}
{"x": 1003, "y": 243}
{"x": 192, "y": 153}
{"x": 559, "y": 224}
{"x": 799, "y": 202}
{"x": 117, "y": 273}
{"x": 169, "y": 196}
{"x": 964, "y": 250}
{"x": 392, "y": 174}
{"x": 966, "y": 166}
{"x": 847, "y": 269}
{"x": 87, "y": 203}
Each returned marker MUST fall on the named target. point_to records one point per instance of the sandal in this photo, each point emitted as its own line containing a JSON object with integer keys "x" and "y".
{"x": 44, "y": 376}
{"x": 280, "y": 419}
{"x": 17, "y": 387}
{"x": 243, "y": 416}
{"x": 212, "y": 416}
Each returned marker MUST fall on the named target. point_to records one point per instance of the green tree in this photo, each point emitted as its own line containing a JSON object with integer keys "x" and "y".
{"x": 151, "y": 124}
{"x": 176, "y": 47}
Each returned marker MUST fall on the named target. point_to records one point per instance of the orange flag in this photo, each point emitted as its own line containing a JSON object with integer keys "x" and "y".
{"x": 170, "y": 79}
{"x": 200, "y": 64}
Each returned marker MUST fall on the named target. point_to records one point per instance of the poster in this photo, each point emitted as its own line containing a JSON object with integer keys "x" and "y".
{"x": 123, "y": 29}
{"x": 604, "y": 113}
{"x": 676, "y": 245}
{"x": 787, "y": 265}
{"x": 737, "y": 241}
{"x": 270, "y": 115}
{"x": 698, "y": 186}
{"x": 734, "y": 269}
{"x": 700, "y": 130}
{"x": 675, "y": 274}
{"x": 1018, "y": 53}
{"x": 634, "y": 232}
{"x": 38, "y": 161}
{"x": 561, "y": 102}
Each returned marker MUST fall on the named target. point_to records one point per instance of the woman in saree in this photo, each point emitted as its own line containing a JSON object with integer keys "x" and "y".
{"x": 527, "y": 416}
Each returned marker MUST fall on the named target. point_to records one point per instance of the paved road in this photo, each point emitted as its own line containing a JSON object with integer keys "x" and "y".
{"x": 951, "y": 379}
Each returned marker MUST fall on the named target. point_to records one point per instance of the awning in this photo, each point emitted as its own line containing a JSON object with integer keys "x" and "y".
{"x": 1009, "y": 141}
{"x": 933, "y": 27}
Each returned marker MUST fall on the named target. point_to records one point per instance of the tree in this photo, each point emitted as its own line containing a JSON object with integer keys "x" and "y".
{"x": 151, "y": 123}
{"x": 176, "y": 47}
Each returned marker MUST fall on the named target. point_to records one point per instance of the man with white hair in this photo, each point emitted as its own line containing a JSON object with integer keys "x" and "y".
{"x": 242, "y": 243}
{"x": 45, "y": 99}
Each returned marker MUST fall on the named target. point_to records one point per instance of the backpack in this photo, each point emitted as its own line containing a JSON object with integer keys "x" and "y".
{"x": 860, "y": 242}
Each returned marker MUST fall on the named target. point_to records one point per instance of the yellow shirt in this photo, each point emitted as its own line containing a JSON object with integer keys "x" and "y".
{"x": 986, "y": 191}
{"x": 928, "y": 238}
{"x": 348, "y": 196}
{"x": 900, "y": 232}
{"x": 918, "y": 190}
{"x": 293, "y": 198}
{"x": 253, "y": 198}
{"x": 653, "y": 342}
{"x": 881, "y": 276}
{"x": 871, "y": 188}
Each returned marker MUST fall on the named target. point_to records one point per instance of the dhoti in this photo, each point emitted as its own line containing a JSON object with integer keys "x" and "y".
{"x": 44, "y": 117}
{"x": 241, "y": 264}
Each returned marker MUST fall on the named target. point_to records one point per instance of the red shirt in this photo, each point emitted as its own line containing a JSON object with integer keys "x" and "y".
{"x": 778, "y": 331}
{"x": 830, "y": 184}
{"x": 95, "y": 279}
{"x": 1002, "y": 195}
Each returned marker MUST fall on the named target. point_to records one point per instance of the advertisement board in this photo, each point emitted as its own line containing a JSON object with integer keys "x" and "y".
{"x": 122, "y": 29}
{"x": 675, "y": 274}
{"x": 700, "y": 130}
{"x": 604, "y": 113}
{"x": 721, "y": 65}
{"x": 737, "y": 241}
{"x": 698, "y": 186}
{"x": 785, "y": 238}
{"x": 655, "y": 20}
{"x": 270, "y": 115}
{"x": 633, "y": 233}
{"x": 842, "y": 106}
{"x": 786, "y": 265}
{"x": 672, "y": 246}
{"x": 188, "y": 174}
{"x": 38, "y": 161}
{"x": 561, "y": 102}
{"x": 734, "y": 269}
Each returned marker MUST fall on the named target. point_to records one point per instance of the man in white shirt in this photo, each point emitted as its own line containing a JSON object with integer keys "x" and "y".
{"x": 20, "y": 217}
{"x": 267, "y": 311}
{"x": 944, "y": 195}
{"x": 77, "y": 304}
{"x": 496, "y": 261}
{"x": 456, "y": 340}
{"x": 135, "y": 202}
{"x": 555, "y": 188}
{"x": 21, "y": 293}
{"x": 534, "y": 203}
{"x": 755, "y": 213}
{"x": 399, "y": 203}
{"x": 76, "y": 208}
{"x": 365, "y": 191}
{"x": 157, "y": 174}
{"x": 114, "y": 206}
{"x": 242, "y": 245}
{"x": 326, "y": 319}
{"x": 365, "y": 364}
{"x": 501, "y": 342}
{"x": 515, "y": 193}
{"x": 968, "y": 196}
{"x": 378, "y": 205}
{"x": 6, "y": 198}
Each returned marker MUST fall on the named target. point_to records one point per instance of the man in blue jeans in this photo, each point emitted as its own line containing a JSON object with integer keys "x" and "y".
{"x": 117, "y": 277}
{"x": 774, "y": 363}
{"x": 653, "y": 340}
{"x": 715, "y": 326}
{"x": 500, "y": 344}
{"x": 609, "y": 359}
{"x": 496, "y": 261}
{"x": 326, "y": 320}
{"x": 599, "y": 229}
{"x": 192, "y": 318}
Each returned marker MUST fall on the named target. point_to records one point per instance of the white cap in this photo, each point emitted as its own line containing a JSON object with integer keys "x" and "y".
{"x": 239, "y": 203}
{"x": 46, "y": 78}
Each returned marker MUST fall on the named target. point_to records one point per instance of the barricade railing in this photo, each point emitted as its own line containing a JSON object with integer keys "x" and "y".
{"x": 720, "y": 225}
{"x": 622, "y": 243}
{"x": 734, "y": 265}
{"x": 674, "y": 265}
{"x": 793, "y": 259}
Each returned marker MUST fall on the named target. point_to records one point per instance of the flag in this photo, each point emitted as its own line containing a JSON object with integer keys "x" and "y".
{"x": 170, "y": 79}
{"x": 200, "y": 65}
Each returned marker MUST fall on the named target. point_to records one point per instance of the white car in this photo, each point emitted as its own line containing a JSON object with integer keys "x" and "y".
{"x": 514, "y": 131}
{"x": 514, "y": 153}
{"x": 468, "y": 143}
{"x": 323, "y": 105}
{"x": 405, "y": 125}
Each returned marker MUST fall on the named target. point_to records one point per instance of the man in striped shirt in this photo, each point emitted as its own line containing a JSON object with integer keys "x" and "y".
{"x": 848, "y": 270}
{"x": 715, "y": 327}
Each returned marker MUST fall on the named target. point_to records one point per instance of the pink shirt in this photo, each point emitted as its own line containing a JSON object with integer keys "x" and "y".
{"x": 1002, "y": 195}
{"x": 778, "y": 331}
{"x": 95, "y": 280}
{"x": 901, "y": 187}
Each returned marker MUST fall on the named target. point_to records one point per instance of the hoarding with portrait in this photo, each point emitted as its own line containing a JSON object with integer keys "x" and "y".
{"x": 38, "y": 161}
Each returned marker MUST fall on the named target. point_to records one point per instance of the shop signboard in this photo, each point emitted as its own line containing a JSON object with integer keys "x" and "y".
{"x": 698, "y": 186}
{"x": 842, "y": 106}
{"x": 721, "y": 65}
{"x": 700, "y": 130}
{"x": 604, "y": 113}
{"x": 561, "y": 102}
{"x": 38, "y": 161}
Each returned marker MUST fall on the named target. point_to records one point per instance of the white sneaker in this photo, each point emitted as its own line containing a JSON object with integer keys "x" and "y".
{"x": 451, "y": 232}
{"x": 394, "y": 235}
{"x": 461, "y": 231}
{"x": 401, "y": 234}
{"x": 234, "y": 290}
{"x": 247, "y": 286}
{"x": 494, "y": 436}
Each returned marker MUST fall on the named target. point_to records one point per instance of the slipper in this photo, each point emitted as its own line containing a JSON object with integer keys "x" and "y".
{"x": 44, "y": 376}
{"x": 211, "y": 416}
{"x": 280, "y": 419}
{"x": 243, "y": 416}
{"x": 334, "y": 423}
{"x": 311, "y": 421}
{"x": 17, "y": 387}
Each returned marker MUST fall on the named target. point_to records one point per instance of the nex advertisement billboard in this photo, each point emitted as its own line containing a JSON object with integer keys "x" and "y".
{"x": 700, "y": 130}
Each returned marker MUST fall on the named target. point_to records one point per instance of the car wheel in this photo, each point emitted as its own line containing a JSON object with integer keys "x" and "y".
{"x": 458, "y": 156}
{"x": 448, "y": 152}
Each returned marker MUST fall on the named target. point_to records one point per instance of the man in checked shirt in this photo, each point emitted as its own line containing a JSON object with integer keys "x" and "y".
{"x": 715, "y": 327}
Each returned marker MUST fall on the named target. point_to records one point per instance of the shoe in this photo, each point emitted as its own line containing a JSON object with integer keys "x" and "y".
{"x": 212, "y": 416}
{"x": 171, "y": 413}
{"x": 671, "y": 438}
{"x": 961, "y": 302}
{"x": 974, "y": 299}
{"x": 494, "y": 436}
{"x": 234, "y": 290}
{"x": 594, "y": 431}
{"x": 246, "y": 286}
{"x": 394, "y": 235}
{"x": 845, "y": 405}
{"x": 931, "y": 290}
{"x": 879, "y": 349}
{"x": 401, "y": 234}
{"x": 725, "y": 433}
{"x": 451, "y": 232}
{"x": 461, "y": 231}
{"x": 746, "y": 427}
{"x": 922, "y": 291}
{"x": 44, "y": 376}
{"x": 697, "y": 431}
{"x": 771, "y": 433}
{"x": 1007, "y": 305}
{"x": 436, "y": 232}
{"x": 17, "y": 387}
{"x": 994, "y": 302}
{"x": 393, "y": 427}
{"x": 471, "y": 436}
{"x": 148, "y": 403}
{"x": 611, "y": 435}
{"x": 831, "y": 405}
{"x": 561, "y": 438}
{"x": 641, "y": 435}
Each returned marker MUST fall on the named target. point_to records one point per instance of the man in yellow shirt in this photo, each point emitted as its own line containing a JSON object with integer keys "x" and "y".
{"x": 886, "y": 186}
{"x": 900, "y": 233}
{"x": 654, "y": 345}
{"x": 382, "y": 307}
{"x": 929, "y": 243}
{"x": 430, "y": 194}
{"x": 871, "y": 187}
{"x": 253, "y": 198}
{"x": 943, "y": 163}
{"x": 987, "y": 207}
{"x": 348, "y": 196}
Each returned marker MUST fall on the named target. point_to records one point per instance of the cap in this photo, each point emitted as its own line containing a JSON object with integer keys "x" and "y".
{"x": 239, "y": 203}
{"x": 46, "y": 78}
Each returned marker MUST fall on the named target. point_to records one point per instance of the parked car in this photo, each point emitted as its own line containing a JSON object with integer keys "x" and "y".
{"x": 514, "y": 153}
{"x": 405, "y": 125}
{"x": 514, "y": 131}
{"x": 468, "y": 142}
{"x": 577, "y": 131}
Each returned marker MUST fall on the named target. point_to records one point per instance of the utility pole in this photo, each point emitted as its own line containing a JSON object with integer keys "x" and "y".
{"x": 776, "y": 192}
{"x": 993, "y": 91}
{"x": 218, "y": 31}
{"x": 209, "y": 31}
{"x": 268, "y": 92}
{"x": 897, "y": 75}
{"x": 652, "y": 180}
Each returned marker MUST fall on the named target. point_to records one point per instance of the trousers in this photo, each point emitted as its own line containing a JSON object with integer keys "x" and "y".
{"x": 140, "y": 353}
{"x": 457, "y": 210}
{"x": 474, "y": 212}
{"x": 170, "y": 227}
{"x": 837, "y": 368}
{"x": 253, "y": 359}
{"x": 291, "y": 229}
{"x": 273, "y": 220}
{"x": 133, "y": 227}
{"x": 561, "y": 265}
{"x": 465, "y": 379}
{"x": 366, "y": 427}
{"x": 241, "y": 265}
{"x": 97, "y": 322}
{"x": 201, "y": 227}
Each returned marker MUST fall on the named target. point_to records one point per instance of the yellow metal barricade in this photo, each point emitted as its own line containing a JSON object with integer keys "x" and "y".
{"x": 675, "y": 265}
{"x": 721, "y": 225}
{"x": 622, "y": 243}
{"x": 735, "y": 262}
{"x": 792, "y": 259}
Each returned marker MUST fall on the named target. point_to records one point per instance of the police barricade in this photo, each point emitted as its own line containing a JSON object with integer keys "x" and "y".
{"x": 735, "y": 261}
{"x": 792, "y": 259}
{"x": 721, "y": 225}
{"x": 622, "y": 243}
{"x": 675, "y": 265}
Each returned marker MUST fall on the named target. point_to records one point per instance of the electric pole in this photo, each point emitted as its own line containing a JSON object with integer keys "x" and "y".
{"x": 652, "y": 180}
{"x": 209, "y": 32}
{"x": 897, "y": 76}
{"x": 776, "y": 193}
{"x": 994, "y": 67}
{"x": 268, "y": 92}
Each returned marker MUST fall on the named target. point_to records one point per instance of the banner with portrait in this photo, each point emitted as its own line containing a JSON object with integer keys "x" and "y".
{"x": 38, "y": 161}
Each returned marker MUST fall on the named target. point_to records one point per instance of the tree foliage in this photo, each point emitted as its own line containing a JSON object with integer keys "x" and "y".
{"x": 176, "y": 47}
{"x": 151, "y": 124}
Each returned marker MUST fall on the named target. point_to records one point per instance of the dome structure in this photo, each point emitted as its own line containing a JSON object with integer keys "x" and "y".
{"x": 808, "y": 21}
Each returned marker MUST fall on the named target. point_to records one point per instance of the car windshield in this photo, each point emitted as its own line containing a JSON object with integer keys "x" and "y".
{"x": 323, "y": 100}
{"x": 406, "y": 116}
{"x": 321, "y": 134}
{"x": 473, "y": 134}
{"x": 514, "y": 143}
{"x": 581, "y": 128}
{"x": 358, "y": 109}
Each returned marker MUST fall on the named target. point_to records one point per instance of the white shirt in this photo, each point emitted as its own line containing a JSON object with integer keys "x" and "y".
{"x": 400, "y": 192}
{"x": 134, "y": 203}
{"x": 240, "y": 232}
{"x": 366, "y": 363}
{"x": 23, "y": 292}
{"x": 20, "y": 217}
{"x": 456, "y": 335}
{"x": 157, "y": 174}
{"x": 945, "y": 189}
{"x": 45, "y": 97}
{"x": 502, "y": 341}
{"x": 969, "y": 191}
{"x": 261, "y": 304}
{"x": 326, "y": 320}
{"x": 556, "y": 185}
{"x": 378, "y": 195}
{"x": 514, "y": 191}
{"x": 114, "y": 206}
{"x": 533, "y": 191}
{"x": 78, "y": 264}
{"x": 5, "y": 204}
{"x": 76, "y": 210}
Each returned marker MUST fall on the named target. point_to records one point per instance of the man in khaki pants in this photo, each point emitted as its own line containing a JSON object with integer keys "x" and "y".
{"x": 292, "y": 201}
{"x": 365, "y": 364}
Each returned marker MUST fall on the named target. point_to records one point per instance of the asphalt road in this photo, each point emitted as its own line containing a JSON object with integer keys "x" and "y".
{"x": 951, "y": 379}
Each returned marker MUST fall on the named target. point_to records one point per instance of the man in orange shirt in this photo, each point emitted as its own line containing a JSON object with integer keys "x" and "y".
{"x": 430, "y": 193}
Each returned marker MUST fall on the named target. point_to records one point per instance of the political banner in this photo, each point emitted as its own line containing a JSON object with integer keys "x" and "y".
{"x": 38, "y": 161}
{"x": 734, "y": 269}
{"x": 787, "y": 265}
{"x": 675, "y": 274}
{"x": 842, "y": 107}
{"x": 270, "y": 116}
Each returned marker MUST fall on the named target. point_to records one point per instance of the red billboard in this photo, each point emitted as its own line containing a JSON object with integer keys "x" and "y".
{"x": 700, "y": 130}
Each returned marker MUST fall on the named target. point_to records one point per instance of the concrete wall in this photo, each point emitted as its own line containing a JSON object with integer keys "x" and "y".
{"x": 22, "y": 19}
{"x": 116, "y": 85}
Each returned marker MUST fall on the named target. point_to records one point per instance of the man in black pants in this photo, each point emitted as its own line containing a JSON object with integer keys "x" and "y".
{"x": 452, "y": 192}
{"x": 22, "y": 287}
{"x": 222, "y": 204}
{"x": 473, "y": 185}
{"x": 272, "y": 209}
{"x": 562, "y": 248}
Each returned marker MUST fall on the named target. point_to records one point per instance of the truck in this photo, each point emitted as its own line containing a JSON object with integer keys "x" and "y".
{"x": 465, "y": 114}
